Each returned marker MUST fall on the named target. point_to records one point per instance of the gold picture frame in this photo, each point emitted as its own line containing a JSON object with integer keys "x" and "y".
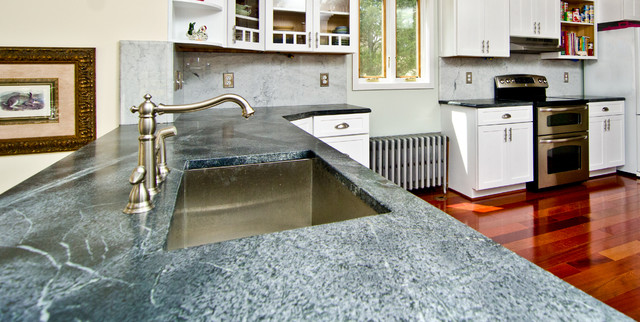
{"x": 47, "y": 99}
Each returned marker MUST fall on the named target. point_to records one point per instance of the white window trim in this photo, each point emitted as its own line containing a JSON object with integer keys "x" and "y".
{"x": 428, "y": 60}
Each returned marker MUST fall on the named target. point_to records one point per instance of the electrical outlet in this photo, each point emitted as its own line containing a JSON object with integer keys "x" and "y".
{"x": 566, "y": 77}
{"x": 324, "y": 79}
{"x": 469, "y": 78}
{"x": 227, "y": 80}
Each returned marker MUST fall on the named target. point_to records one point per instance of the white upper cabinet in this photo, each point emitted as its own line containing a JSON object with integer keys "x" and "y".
{"x": 245, "y": 24}
{"x": 616, "y": 10}
{"x": 477, "y": 28}
{"x": 207, "y": 18}
{"x": 535, "y": 18}
{"x": 311, "y": 25}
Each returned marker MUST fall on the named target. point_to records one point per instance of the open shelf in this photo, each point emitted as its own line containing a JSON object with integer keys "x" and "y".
{"x": 214, "y": 5}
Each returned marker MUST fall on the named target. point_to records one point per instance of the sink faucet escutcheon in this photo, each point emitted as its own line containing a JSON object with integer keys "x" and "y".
{"x": 147, "y": 176}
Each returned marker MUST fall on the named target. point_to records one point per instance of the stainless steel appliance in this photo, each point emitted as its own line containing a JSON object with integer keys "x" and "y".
{"x": 561, "y": 146}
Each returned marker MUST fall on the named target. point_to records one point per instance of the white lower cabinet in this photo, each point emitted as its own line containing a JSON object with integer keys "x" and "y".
{"x": 606, "y": 137}
{"x": 347, "y": 133}
{"x": 491, "y": 149}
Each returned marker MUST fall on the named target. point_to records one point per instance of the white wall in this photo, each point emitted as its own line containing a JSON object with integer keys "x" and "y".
{"x": 397, "y": 112}
{"x": 78, "y": 23}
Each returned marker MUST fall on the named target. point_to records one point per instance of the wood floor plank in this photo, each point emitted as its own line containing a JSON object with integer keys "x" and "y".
{"x": 622, "y": 251}
{"x": 587, "y": 234}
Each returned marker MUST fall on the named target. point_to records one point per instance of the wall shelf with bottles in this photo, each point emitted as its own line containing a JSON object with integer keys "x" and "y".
{"x": 578, "y": 25}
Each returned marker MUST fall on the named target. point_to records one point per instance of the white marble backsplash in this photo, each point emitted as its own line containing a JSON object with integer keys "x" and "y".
{"x": 452, "y": 78}
{"x": 145, "y": 67}
{"x": 266, "y": 79}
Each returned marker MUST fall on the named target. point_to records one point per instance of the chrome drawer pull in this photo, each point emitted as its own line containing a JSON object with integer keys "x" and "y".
{"x": 562, "y": 109}
{"x": 342, "y": 126}
{"x": 506, "y": 116}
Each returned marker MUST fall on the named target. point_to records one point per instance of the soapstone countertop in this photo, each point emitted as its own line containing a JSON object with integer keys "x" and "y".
{"x": 491, "y": 102}
{"x": 67, "y": 252}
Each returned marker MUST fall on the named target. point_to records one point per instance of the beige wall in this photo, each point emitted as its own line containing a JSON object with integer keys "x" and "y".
{"x": 78, "y": 23}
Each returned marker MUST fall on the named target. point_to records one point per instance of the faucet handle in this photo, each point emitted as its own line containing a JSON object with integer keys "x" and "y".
{"x": 161, "y": 152}
{"x": 139, "y": 199}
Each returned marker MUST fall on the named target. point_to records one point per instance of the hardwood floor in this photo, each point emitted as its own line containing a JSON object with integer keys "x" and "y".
{"x": 586, "y": 234}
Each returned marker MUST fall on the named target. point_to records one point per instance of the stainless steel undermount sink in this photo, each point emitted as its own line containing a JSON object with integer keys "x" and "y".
{"x": 218, "y": 202}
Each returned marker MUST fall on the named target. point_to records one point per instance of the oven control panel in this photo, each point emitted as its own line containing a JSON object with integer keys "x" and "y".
{"x": 520, "y": 81}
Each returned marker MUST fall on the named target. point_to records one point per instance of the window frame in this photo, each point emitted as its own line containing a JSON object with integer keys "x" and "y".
{"x": 426, "y": 33}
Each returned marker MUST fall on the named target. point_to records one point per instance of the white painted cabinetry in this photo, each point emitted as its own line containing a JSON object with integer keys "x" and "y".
{"x": 534, "y": 18}
{"x": 245, "y": 24}
{"x": 347, "y": 133}
{"x": 209, "y": 13}
{"x": 491, "y": 149}
{"x": 311, "y": 25}
{"x": 606, "y": 137}
{"x": 616, "y": 10}
{"x": 478, "y": 28}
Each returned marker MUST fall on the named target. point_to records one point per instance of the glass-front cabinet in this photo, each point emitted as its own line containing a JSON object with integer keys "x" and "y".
{"x": 334, "y": 29}
{"x": 311, "y": 25}
{"x": 246, "y": 24}
{"x": 289, "y": 25}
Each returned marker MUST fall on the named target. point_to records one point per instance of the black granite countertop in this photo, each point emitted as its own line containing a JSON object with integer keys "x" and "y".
{"x": 67, "y": 252}
{"x": 490, "y": 102}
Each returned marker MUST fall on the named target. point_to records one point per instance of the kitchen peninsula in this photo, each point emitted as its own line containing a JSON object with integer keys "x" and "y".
{"x": 68, "y": 252}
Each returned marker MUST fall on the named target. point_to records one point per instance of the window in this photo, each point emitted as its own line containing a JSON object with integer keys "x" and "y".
{"x": 394, "y": 48}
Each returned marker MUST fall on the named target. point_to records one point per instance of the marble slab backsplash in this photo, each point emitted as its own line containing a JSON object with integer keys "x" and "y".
{"x": 266, "y": 79}
{"x": 452, "y": 80}
{"x": 145, "y": 67}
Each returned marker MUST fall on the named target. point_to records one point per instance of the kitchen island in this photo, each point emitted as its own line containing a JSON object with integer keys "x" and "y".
{"x": 68, "y": 252}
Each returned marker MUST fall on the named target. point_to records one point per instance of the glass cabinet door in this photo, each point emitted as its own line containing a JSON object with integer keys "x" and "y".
{"x": 334, "y": 25}
{"x": 246, "y": 18}
{"x": 289, "y": 24}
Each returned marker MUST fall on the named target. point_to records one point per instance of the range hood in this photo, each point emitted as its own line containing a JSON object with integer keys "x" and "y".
{"x": 534, "y": 45}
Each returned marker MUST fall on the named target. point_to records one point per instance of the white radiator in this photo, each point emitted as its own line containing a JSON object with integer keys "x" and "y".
{"x": 411, "y": 161}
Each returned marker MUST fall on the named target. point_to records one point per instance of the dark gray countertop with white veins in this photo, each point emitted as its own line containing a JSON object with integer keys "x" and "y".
{"x": 67, "y": 252}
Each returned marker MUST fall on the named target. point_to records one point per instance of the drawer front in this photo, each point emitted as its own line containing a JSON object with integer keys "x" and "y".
{"x": 337, "y": 125}
{"x": 504, "y": 115}
{"x": 606, "y": 108}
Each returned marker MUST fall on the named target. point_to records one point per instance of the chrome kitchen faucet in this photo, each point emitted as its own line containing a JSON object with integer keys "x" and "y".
{"x": 152, "y": 168}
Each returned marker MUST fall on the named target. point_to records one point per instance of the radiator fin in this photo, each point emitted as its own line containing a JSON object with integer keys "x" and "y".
{"x": 411, "y": 161}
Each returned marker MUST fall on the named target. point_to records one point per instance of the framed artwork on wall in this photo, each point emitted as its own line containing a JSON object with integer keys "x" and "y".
{"x": 47, "y": 99}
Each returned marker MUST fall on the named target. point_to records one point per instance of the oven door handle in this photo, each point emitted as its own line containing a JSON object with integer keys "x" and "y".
{"x": 575, "y": 138}
{"x": 562, "y": 109}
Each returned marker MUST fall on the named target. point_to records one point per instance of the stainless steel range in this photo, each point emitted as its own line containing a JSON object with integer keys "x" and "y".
{"x": 561, "y": 146}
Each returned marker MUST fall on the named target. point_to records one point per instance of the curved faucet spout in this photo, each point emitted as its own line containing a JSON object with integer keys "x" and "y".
{"x": 247, "y": 110}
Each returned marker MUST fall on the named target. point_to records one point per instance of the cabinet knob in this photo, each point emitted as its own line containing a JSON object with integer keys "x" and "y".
{"x": 506, "y": 116}
{"x": 605, "y": 109}
{"x": 342, "y": 126}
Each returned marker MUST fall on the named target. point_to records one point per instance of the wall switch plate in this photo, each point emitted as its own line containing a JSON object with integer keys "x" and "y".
{"x": 227, "y": 80}
{"x": 324, "y": 79}
{"x": 469, "y": 78}
{"x": 566, "y": 77}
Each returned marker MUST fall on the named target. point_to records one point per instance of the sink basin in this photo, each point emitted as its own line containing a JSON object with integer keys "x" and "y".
{"x": 218, "y": 202}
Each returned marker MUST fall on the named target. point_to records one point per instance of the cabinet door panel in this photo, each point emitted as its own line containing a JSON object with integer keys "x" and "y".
{"x": 491, "y": 156}
{"x": 521, "y": 18}
{"x": 631, "y": 9}
{"x": 596, "y": 143}
{"x": 470, "y": 27}
{"x": 354, "y": 146}
{"x": 496, "y": 27}
{"x": 614, "y": 138}
{"x": 549, "y": 19}
{"x": 520, "y": 153}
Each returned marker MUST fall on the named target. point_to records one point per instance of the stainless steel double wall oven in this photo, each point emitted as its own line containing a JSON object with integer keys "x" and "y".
{"x": 561, "y": 138}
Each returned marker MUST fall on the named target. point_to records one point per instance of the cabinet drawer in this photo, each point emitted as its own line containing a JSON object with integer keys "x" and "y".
{"x": 503, "y": 115}
{"x": 337, "y": 125}
{"x": 606, "y": 108}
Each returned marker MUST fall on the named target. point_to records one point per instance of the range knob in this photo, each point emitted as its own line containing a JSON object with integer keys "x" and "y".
{"x": 502, "y": 81}
{"x": 508, "y": 81}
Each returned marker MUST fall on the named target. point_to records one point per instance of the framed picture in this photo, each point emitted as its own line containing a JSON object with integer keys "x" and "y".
{"x": 47, "y": 99}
